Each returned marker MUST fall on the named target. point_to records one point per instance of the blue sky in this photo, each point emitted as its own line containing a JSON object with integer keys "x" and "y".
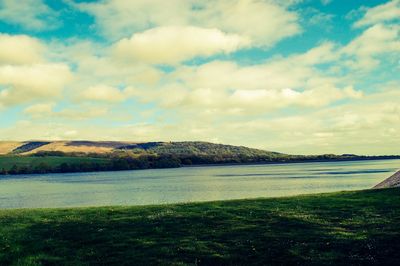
{"x": 300, "y": 76}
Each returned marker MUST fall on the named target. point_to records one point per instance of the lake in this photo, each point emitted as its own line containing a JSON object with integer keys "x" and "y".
{"x": 189, "y": 184}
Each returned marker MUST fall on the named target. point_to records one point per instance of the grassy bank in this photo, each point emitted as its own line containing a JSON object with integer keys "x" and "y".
{"x": 337, "y": 228}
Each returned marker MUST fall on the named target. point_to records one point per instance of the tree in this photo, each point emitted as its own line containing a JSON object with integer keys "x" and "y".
{"x": 120, "y": 164}
{"x": 42, "y": 168}
{"x": 64, "y": 168}
{"x": 14, "y": 170}
{"x": 167, "y": 162}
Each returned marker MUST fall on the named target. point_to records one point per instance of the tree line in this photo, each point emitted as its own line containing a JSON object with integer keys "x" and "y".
{"x": 115, "y": 164}
{"x": 123, "y": 160}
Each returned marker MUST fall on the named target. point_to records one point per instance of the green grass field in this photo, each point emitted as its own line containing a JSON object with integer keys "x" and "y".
{"x": 359, "y": 228}
{"x": 7, "y": 162}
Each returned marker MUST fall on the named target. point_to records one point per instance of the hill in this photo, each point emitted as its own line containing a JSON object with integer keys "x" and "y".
{"x": 60, "y": 156}
{"x": 345, "y": 228}
{"x": 188, "y": 148}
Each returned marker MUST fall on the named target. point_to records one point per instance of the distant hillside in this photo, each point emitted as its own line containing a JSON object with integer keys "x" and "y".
{"x": 185, "y": 149}
{"x": 198, "y": 152}
{"x": 190, "y": 148}
{"x": 75, "y": 156}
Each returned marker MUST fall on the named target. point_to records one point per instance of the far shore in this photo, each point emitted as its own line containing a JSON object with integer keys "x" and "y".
{"x": 48, "y": 170}
{"x": 378, "y": 158}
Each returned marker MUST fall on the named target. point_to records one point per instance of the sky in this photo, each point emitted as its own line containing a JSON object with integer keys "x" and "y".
{"x": 295, "y": 76}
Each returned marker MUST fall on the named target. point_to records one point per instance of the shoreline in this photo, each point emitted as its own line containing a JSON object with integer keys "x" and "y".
{"x": 222, "y": 201}
{"x": 198, "y": 202}
{"x": 289, "y": 162}
{"x": 377, "y": 158}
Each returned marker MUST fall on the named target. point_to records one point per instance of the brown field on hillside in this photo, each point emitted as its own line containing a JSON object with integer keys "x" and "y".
{"x": 65, "y": 146}
{"x": 8, "y": 146}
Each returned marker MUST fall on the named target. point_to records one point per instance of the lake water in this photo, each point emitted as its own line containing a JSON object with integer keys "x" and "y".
{"x": 190, "y": 184}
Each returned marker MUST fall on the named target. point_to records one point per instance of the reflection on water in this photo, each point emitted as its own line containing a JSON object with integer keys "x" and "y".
{"x": 189, "y": 184}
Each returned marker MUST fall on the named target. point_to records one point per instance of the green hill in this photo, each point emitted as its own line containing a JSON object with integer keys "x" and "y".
{"x": 199, "y": 148}
{"x": 198, "y": 152}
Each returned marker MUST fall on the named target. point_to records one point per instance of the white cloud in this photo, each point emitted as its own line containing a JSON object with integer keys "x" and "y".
{"x": 29, "y": 14}
{"x": 321, "y": 54}
{"x": 71, "y": 133}
{"x": 273, "y": 75}
{"x": 25, "y": 72}
{"x": 253, "y": 101}
{"x": 102, "y": 93}
{"x": 38, "y": 110}
{"x": 20, "y": 49}
{"x": 26, "y": 82}
{"x": 173, "y": 44}
{"x": 47, "y": 112}
{"x": 121, "y": 18}
{"x": 81, "y": 112}
{"x": 389, "y": 11}
{"x": 94, "y": 65}
{"x": 316, "y": 18}
{"x": 376, "y": 40}
{"x": 264, "y": 22}
{"x": 220, "y": 87}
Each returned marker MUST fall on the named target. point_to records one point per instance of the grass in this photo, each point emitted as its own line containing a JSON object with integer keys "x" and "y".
{"x": 7, "y": 162}
{"x": 352, "y": 228}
